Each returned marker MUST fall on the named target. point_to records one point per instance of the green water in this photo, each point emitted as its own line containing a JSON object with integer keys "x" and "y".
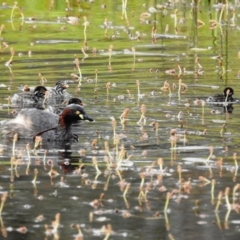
{"x": 45, "y": 43}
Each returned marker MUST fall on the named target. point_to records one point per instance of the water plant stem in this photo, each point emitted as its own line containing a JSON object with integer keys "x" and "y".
{"x": 3, "y": 200}
{"x": 168, "y": 196}
{"x": 220, "y": 195}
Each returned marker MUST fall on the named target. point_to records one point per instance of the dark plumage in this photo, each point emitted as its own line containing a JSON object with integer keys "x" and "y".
{"x": 60, "y": 108}
{"x": 226, "y": 96}
{"x": 75, "y": 101}
{"x": 57, "y": 94}
{"x": 39, "y": 94}
{"x": 30, "y": 97}
{"x": 50, "y": 126}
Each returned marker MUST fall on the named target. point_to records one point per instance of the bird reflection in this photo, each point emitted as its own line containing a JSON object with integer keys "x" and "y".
{"x": 69, "y": 163}
{"x": 228, "y": 109}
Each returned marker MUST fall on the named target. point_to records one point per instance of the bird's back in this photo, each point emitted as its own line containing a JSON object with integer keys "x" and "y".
{"x": 29, "y": 122}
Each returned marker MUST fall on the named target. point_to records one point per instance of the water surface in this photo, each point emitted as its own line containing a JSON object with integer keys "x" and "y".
{"x": 135, "y": 50}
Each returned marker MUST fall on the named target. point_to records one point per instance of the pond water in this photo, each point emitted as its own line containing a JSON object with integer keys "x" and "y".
{"x": 166, "y": 168}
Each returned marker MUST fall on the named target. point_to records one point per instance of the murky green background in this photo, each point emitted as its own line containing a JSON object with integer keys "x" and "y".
{"x": 152, "y": 42}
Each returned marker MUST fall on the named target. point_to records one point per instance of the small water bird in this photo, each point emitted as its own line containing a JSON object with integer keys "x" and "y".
{"x": 39, "y": 93}
{"x": 30, "y": 123}
{"x": 58, "y": 93}
{"x": 29, "y": 97}
{"x": 59, "y": 108}
{"x": 35, "y": 97}
{"x": 225, "y": 97}
{"x": 75, "y": 101}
